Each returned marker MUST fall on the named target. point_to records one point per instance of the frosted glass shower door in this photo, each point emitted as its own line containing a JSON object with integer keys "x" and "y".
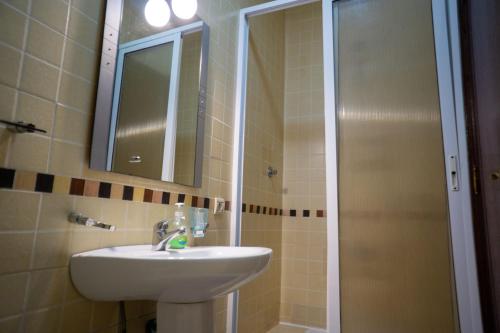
{"x": 396, "y": 273}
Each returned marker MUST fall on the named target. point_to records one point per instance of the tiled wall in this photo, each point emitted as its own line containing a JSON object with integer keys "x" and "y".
{"x": 303, "y": 293}
{"x": 48, "y": 60}
{"x": 260, "y": 300}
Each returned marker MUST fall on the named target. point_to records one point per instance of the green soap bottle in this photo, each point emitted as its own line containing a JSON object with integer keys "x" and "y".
{"x": 179, "y": 242}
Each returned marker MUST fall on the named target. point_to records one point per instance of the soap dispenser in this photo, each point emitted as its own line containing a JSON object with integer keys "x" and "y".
{"x": 180, "y": 241}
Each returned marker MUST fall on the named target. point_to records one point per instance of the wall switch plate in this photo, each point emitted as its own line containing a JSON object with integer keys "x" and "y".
{"x": 220, "y": 206}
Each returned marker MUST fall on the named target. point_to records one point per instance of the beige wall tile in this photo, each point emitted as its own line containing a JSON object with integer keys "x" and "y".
{"x": 13, "y": 25}
{"x": 29, "y": 152}
{"x": 84, "y": 239}
{"x": 136, "y": 214}
{"x": 66, "y": 159}
{"x": 76, "y": 93}
{"x": 46, "y": 288}
{"x": 76, "y": 317}
{"x": 83, "y": 30}
{"x": 19, "y": 210}
{"x": 18, "y": 260}
{"x": 22, "y": 5}
{"x": 44, "y": 43}
{"x": 72, "y": 125}
{"x": 5, "y": 136}
{"x": 36, "y": 110}
{"x": 92, "y": 8}
{"x": 9, "y": 65}
{"x": 105, "y": 314}
{"x": 7, "y": 99}
{"x": 80, "y": 61}
{"x": 54, "y": 212}
{"x": 43, "y": 321}
{"x": 13, "y": 289}
{"x": 51, "y": 249}
{"x": 51, "y": 12}
{"x": 39, "y": 78}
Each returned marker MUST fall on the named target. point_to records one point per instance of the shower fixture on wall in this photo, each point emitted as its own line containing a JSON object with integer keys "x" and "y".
{"x": 271, "y": 171}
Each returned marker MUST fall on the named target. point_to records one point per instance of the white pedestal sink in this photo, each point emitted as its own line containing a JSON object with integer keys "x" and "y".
{"x": 183, "y": 282}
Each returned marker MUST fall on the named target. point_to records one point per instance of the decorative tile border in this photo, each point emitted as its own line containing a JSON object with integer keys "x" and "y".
{"x": 265, "y": 210}
{"x": 47, "y": 183}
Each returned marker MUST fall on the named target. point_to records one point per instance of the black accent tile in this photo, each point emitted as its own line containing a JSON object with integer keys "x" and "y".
{"x": 105, "y": 190}
{"x": 281, "y": 212}
{"x": 293, "y": 212}
{"x": 227, "y": 206}
{"x": 165, "y": 198}
{"x": 244, "y": 207}
{"x": 7, "y": 178}
{"x": 264, "y": 210}
{"x": 319, "y": 213}
{"x": 128, "y": 193}
{"x": 258, "y": 210}
{"x": 181, "y": 197}
{"x": 305, "y": 213}
{"x": 194, "y": 201}
{"x": 44, "y": 183}
{"x": 206, "y": 203}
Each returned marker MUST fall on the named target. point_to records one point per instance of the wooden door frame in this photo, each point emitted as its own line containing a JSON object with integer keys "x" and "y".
{"x": 482, "y": 244}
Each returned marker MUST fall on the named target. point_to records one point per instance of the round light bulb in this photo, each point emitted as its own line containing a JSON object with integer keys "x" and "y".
{"x": 157, "y": 13}
{"x": 184, "y": 9}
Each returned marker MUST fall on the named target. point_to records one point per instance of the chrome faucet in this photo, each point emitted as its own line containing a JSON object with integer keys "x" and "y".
{"x": 162, "y": 237}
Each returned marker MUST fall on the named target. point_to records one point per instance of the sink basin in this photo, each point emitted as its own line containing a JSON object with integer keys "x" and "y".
{"x": 183, "y": 282}
{"x": 174, "y": 276}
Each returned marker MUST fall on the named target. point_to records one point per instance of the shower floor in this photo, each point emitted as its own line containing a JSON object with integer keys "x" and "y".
{"x": 284, "y": 328}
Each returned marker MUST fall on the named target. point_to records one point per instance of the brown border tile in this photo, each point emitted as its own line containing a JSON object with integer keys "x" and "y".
{"x": 157, "y": 196}
{"x": 77, "y": 186}
{"x": 148, "y": 195}
{"x": 91, "y": 188}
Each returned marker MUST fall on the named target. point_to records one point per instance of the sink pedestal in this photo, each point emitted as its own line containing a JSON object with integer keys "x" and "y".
{"x": 182, "y": 318}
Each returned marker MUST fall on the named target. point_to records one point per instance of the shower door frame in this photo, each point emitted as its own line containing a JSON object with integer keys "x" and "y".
{"x": 448, "y": 61}
{"x": 449, "y": 73}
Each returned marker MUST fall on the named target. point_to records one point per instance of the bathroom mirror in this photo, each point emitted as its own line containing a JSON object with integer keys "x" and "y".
{"x": 151, "y": 98}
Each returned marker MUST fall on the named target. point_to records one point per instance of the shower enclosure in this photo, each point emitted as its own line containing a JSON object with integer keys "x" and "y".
{"x": 400, "y": 247}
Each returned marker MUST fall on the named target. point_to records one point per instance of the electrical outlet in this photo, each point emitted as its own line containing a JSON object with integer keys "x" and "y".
{"x": 220, "y": 206}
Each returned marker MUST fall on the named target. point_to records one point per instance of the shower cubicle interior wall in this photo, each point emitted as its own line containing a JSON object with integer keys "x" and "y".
{"x": 284, "y": 129}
